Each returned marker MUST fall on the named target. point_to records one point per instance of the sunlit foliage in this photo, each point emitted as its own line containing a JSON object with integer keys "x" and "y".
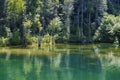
{"x": 109, "y": 29}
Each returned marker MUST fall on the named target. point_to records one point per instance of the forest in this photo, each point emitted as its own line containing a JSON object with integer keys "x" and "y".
{"x": 27, "y": 22}
{"x": 59, "y": 39}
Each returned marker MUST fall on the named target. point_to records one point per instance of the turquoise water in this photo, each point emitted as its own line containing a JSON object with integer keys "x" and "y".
{"x": 74, "y": 63}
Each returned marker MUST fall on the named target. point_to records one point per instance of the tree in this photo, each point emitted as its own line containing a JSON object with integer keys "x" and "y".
{"x": 54, "y": 27}
{"x": 2, "y": 9}
{"x": 109, "y": 29}
{"x": 68, "y": 7}
{"x": 16, "y": 6}
{"x": 39, "y": 26}
{"x": 90, "y": 10}
{"x": 3, "y": 21}
{"x": 114, "y": 7}
{"x": 26, "y": 31}
{"x": 33, "y": 8}
{"x": 100, "y": 10}
{"x": 16, "y": 9}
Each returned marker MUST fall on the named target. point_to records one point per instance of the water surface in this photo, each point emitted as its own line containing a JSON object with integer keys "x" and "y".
{"x": 68, "y": 62}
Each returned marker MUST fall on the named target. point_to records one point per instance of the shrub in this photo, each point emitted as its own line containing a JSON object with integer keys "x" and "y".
{"x": 34, "y": 39}
{"x": 15, "y": 39}
{"x": 3, "y": 41}
{"x": 60, "y": 38}
{"x": 3, "y": 32}
{"x": 47, "y": 39}
{"x": 28, "y": 39}
{"x": 108, "y": 30}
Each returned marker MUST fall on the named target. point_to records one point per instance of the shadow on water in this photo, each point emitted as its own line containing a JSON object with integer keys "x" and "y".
{"x": 68, "y": 65}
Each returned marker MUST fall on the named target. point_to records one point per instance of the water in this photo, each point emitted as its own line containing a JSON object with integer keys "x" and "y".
{"x": 90, "y": 62}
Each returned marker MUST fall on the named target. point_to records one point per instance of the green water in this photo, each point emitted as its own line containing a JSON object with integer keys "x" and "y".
{"x": 87, "y": 62}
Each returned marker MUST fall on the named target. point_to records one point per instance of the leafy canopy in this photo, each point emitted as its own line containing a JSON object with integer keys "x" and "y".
{"x": 109, "y": 29}
{"x": 16, "y": 6}
{"x": 55, "y": 25}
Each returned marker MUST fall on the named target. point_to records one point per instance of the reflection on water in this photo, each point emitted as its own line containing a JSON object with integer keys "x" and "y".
{"x": 69, "y": 65}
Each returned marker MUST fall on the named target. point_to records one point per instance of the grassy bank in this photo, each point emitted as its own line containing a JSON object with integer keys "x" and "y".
{"x": 96, "y": 49}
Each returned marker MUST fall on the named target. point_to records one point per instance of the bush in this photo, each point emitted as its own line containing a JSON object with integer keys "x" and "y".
{"x": 34, "y": 39}
{"x": 47, "y": 39}
{"x": 28, "y": 39}
{"x": 60, "y": 38}
{"x": 15, "y": 39}
{"x": 3, "y": 41}
{"x": 3, "y": 32}
{"x": 108, "y": 30}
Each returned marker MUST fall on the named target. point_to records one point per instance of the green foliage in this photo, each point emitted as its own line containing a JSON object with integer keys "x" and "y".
{"x": 27, "y": 23}
{"x": 64, "y": 20}
{"x": 55, "y": 26}
{"x": 37, "y": 22}
{"x": 109, "y": 29}
{"x": 15, "y": 39}
{"x": 36, "y": 26}
{"x": 28, "y": 39}
{"x": 34, "y": 39}
{"x": 3, "y": 32}
{"x": 60, "y": 38}
{"x": 47, "y": 39}
{"x": 2, "y": 8}
{"x": 16, "y": 6}
{"x": 33, "y": 7}
{"x": 8, "y": 32}
{"x": 114, "y": 7}
{"x": 116, "y": 41}
{"x": 3, "y": 41}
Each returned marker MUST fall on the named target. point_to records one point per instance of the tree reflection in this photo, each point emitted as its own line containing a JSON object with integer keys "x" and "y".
{"x": 66, "y": 65}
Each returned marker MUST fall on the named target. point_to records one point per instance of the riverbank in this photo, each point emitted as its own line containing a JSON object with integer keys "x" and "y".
{"x": 100, "y": 49}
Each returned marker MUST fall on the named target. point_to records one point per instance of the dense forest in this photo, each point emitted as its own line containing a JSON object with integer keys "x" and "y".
{"x": 24, "y": 22}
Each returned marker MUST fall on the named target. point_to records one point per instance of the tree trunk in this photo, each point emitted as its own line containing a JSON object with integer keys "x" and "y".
{"x": 68, "y": 27}
{"x": 90, "y": 25}
{"x": 78, "y": 22}
{"x": 69, "y": 10}
{"x": 53, "y": 40}
{"x": 39, "y": 39}
{"x": 96, "y": 16}
{"x": 23, "y": 31}
{"x": 82, "y": 16}
{"x": 24, "y": 41}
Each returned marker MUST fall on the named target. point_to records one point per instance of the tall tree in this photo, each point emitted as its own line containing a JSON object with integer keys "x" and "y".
{"x": 2, "y": 8}
{"x": 2, "y": 18}
{"x": 54, "y": 28}
{"x": 68, "y": 6}
{"x": 33, "y": 8}
{"x": 16, "y": 9}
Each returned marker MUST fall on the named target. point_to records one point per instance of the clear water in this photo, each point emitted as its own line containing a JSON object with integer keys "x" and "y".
{"x": 90, "y": 62}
